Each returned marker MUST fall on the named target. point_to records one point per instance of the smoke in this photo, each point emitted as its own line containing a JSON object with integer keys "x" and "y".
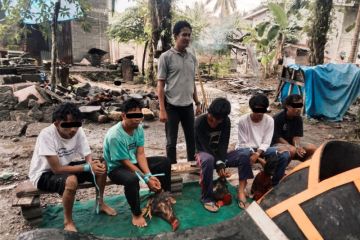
{"x": 213, "y": 39}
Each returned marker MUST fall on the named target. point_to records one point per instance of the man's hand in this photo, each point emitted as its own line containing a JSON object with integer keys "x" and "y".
{"x": 224, "y": 173}
{"x": 163, "y": 116}
{"x": 300, "y": 151}
{"x": 98, "y": 167}
{"x": 198, "y": 110}
{"x": 254, "y": 157}
{"x": 154, "y": 184}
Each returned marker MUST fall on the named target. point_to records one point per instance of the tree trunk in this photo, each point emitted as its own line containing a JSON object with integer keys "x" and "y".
{"x": 160, "y": 15}
{"x": 54, "y": 28}
{"x": 150, "y": 70}
{"x": 153, "y": 41}
{"x": 164, "y": 19}
{"x": 319, "y": 29}
{"x": 144, "y": 56}
{"x": 355, "y": 40}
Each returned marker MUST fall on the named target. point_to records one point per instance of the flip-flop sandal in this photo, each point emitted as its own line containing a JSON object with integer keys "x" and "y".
{"x": 211, "y": 207}
{"x": 242, "y": 204}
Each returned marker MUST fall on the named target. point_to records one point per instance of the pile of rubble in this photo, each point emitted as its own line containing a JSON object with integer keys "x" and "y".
{"x": 24, "y": 103}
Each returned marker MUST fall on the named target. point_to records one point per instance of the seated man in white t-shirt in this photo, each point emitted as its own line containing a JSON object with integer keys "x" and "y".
{"x": 53, "y": 169}
{"x": 255, "y": 132}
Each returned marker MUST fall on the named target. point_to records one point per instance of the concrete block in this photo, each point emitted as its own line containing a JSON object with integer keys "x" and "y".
{"x": 31, "y": 212}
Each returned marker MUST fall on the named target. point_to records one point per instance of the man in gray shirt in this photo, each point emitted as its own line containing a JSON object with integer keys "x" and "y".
{"x": 177, "y": 91}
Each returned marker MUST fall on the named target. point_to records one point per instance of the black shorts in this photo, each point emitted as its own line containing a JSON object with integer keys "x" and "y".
{"x": 51, "y": 182}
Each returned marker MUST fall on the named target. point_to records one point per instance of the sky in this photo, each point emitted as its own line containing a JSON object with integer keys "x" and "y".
{"x": 242, "y": 5}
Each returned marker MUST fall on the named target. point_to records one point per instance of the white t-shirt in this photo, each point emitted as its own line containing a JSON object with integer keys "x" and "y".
{"x": 255, "y": 135}
{"x": 50, "y": 143}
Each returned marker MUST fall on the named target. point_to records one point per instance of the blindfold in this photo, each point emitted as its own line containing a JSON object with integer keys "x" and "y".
{"x": 134, "y": 115}
{"x": 297, "y": 105}
{"x": 259, "y": 110}
{"x": 71, "y": 124}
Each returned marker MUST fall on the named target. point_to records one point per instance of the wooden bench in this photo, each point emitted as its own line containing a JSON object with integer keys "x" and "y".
{"x": 27, "y": 197}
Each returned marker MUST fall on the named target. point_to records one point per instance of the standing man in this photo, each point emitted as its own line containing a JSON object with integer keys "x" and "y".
{"x": 52, "y": 167}
{"x": 177, "y": 91}
{"x": 254, "y": 135}
{"x": 289, "y": 129}
{"x": 125, "y": 156}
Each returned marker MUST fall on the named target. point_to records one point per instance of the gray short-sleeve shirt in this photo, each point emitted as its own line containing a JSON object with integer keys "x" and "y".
{"x": 178, "y": 70}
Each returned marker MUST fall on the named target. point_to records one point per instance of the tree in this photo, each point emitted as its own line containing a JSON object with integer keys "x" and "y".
{"x": 355, "y": 39}
{"x": 160, "y": 15}
{"x": 270, "y": 36}
{"x": 321, "y": 20}
{"x": 225, "y": 6}
{"x": 46, "y": 14}
{"x": 197, "y": 16}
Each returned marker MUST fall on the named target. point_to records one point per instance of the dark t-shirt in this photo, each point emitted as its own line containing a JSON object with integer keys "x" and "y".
{"x": 286, "y": 128}
{"x": 214, "y": 141}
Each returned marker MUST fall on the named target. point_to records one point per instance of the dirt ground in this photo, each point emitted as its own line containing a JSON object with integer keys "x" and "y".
{"x": 15, "y": 154}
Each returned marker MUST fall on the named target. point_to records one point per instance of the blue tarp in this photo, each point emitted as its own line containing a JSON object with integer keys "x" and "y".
{"x": 73, "y": 10}
{"x": 329, "y": 90}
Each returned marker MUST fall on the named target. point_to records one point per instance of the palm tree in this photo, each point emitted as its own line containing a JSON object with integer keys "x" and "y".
{"x": 160, "y": 18}
{"x": 225, "y": 6}
{"x": 318, "y": 30}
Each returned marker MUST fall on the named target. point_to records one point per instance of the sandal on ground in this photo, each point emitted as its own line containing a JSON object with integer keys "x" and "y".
{"x": 243, "y": 204}
{"x": 211, "y": 207}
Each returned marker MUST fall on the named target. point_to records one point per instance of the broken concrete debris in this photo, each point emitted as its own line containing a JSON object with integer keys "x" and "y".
{"x": 12, "y": 128}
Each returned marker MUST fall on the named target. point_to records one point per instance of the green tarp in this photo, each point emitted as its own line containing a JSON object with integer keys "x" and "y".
{"x": 188, "y": 209}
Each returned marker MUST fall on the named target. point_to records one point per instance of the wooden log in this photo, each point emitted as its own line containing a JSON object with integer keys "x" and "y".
{"x": 27, "y": 201}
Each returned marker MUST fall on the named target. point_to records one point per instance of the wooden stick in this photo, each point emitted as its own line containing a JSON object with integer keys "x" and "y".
{"x": 202, "y": 89}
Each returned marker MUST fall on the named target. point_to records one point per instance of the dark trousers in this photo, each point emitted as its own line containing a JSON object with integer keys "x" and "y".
{"x": 206, "y": 161}
{"x": 123, "y": 176}
{"x": 239, "y": 158}
{"x": 185, "y": 115}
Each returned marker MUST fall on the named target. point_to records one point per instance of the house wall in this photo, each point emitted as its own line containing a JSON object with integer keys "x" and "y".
{"x": 97, "y": 38}
{"x": 120, "y": 50}
{"x": 339, "y": 39}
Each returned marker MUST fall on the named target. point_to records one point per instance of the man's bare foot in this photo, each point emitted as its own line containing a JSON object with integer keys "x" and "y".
{"x": 107, "y": 210}
{"x": 138, "y": 221}
{"x": 70, "y": 226}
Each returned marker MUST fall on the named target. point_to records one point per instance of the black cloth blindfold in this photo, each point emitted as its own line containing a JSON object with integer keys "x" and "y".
{"x": 259, "y": 110}
{"x": 297, "y": 105}
{"x": 134, "y": 115}
{"x": 71, "y": 124}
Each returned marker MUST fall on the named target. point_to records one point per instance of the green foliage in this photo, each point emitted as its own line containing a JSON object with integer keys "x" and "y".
{"x": 261, "y": 27}
{"x": 267, "y": 58}
{"x": 279, "y": 14}
{"x": 221, "y": 67}
{"x": 225, "y": 6}
{"x": 273, "y": 32}
{"x": 132, "y": 24}
{"x": 196, "y": 15}
{"x": 17, "y": 10}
